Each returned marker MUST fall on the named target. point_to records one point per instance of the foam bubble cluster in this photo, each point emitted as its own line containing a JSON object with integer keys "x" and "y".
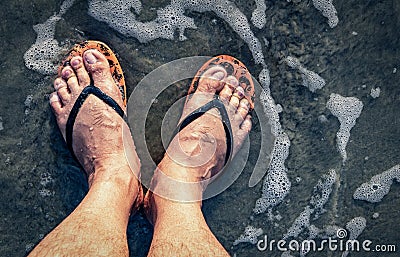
{"x": 330, "y": 231}
{"x": 355, "y": 227}
{"x": 315, "y": 207}
{"x": 265, "y": 80}
{"x": 286, "y": 254}
{"x": 322, "y": 192}
{"x": 311, "y": 80}
{"x": 258, "y": 17}
{"x": 300, "y": 223}
{"x": 249, "y": 236}
{"x": 375, "y": 92}
{"x": 276, "y": 183}
{"x": 347, "y": 110}
{"x": 43, "y": 55}
{"x": 379, "y": 186}
{"x": 328, "y": 10}
{"x": 44, "y": 192}
{"x": 292, "y": 62}
{"x": 65, "y": 6}
{"x": 117, "y": 14}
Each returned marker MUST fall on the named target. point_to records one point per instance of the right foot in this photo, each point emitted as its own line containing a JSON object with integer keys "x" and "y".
{"x": 198, "y": 152}
{"x": 98, "y": 140}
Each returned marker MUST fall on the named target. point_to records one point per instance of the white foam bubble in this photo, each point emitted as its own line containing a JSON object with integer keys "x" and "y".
{"x": 347, "y": 110}
{"x": 287, "y": 254}
{"x": 249, "y": 236}
{"x": 355, "y": 227}
{"x": 44, "y": 192}
{"x": 311, "y": 80}
{"x": 300, "y": 223}
{"x": 292, "y": 62}
{"x": 276, "y": 184}
{"x": 375, "y": 92}
{"x": 328, "y": 10}
{"x": 322, "y": 192}
{"x": 378, "y": 186}
{"x": 258, "y": 17}
{"x": 320, "y": 197}
{"x": 65, "y": 6}
{"x": 43, "y": 55}
{"x": 172, "y": 18}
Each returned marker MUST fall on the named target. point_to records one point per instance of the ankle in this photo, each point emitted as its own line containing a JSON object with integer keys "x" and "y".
{"x": 115, "y": 171}
{"x": 161, "y": 208}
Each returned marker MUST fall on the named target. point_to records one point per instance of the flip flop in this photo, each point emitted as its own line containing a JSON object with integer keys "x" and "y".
{"x": 115, "y": 67}
{"x": 117, "y": 74}
{"x": 234, "y": 68}
{"x": 91, "y": 89}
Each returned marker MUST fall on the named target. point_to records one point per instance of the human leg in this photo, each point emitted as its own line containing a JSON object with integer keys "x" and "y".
{"x": 97, "y": 227}
{"x": 179, "y": 227}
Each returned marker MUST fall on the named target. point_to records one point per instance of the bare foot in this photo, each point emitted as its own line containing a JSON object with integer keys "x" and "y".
{"x": 198, "y": 152}
{"x": 98, "y": 140}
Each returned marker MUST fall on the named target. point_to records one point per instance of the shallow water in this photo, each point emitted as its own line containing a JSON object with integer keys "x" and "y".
{"x": 41, "y": 184}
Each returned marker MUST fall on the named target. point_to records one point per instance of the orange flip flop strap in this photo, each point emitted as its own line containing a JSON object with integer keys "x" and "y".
{"x": 115, "y": 67}
{"x": 233, "y": 67}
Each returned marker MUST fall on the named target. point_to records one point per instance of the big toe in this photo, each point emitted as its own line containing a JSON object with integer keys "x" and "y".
{"x": 211, "y": 80}
{"x": 98, "y": 67}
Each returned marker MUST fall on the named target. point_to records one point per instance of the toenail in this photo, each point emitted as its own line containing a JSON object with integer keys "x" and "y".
{"x": 232, "y": 81}
{"x": 90, "y": 58}
{"x": 67, "y": 73}
{"x": 59, "y": 85}
{"x": 75, "y": 62}
{"x": 244, "y": 104}
{"x": 218, "y": 75}
{"x": 240, "y": 91}
{"x": 54, "y": 98}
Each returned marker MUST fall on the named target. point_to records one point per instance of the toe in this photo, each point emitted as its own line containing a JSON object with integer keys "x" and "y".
{"x": 244, "y": 107}
{"x": 80, "y": 70}
{"x": 246, "y": 124}
{"x": 97, "y": 65}
{"x": 230, "y": 84}
{"x": 62, "y": 90}
{"x": 70, "y": 77}
{"x": 99, "y": 69}
{"x": 236, "y": 97}
{"x": 55, "y": 103}
{"x": 242, "y": 133}
{"x": 211, "y": 81}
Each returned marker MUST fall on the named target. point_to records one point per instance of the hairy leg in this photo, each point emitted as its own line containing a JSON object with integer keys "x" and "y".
{"x": 179, "y": 227}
